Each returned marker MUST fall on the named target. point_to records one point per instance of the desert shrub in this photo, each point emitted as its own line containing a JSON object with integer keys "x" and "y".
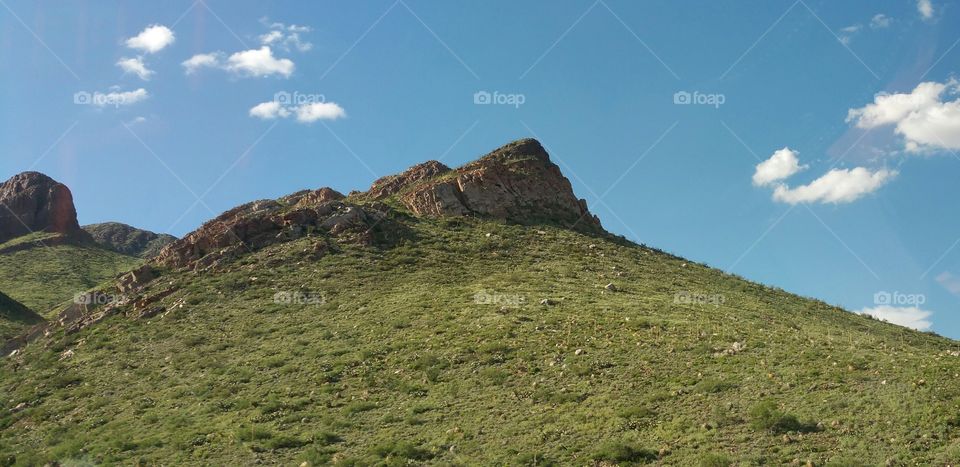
{"x": 617, "y": 452}
{"x": 766, "y": 416}
{"x": 401, "y": 450}
{"x": 715, "y": 460}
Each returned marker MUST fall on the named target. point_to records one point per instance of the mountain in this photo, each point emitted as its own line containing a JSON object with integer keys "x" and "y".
{"x": 45, "y": 256}
{"x": 14, "y": 317}
{"x": 128, "y": 240}
{"x": 469, "y": 316}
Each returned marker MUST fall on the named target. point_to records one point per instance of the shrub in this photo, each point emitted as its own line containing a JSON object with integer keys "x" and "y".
{"x": 715, "y": 460}
{"x": 615, "y": 452}
{"x": 766, "y": 416}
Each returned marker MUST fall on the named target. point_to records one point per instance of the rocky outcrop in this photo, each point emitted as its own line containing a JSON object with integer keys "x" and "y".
{"x": 128, "y": 240}
{"x": 516, "y": 182}
{"x": 252, "y": 226}
{"x": 33, "y": 202}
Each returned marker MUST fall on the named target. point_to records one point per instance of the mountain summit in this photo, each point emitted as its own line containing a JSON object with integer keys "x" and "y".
{"x": 33, "y": 202}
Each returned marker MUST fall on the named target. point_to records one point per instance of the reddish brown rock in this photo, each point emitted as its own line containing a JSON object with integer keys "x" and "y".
{"x": 33, "y": 202}
{"x": 516, "y": 182}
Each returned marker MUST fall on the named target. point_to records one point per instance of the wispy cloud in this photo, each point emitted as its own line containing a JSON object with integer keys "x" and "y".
{"x": 910, "y": 317}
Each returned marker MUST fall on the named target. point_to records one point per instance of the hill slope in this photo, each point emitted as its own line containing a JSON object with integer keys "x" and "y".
{"x": 14, "y": 317}
{"x": 339, "y": 330}
{"x": 42, "y": 276}
{"x": 128, "y": 240}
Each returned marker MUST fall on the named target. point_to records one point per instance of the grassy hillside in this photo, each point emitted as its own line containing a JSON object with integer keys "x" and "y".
{"x": 42, "y": 277}
{"x": 439, "y": 351}
{"x": 14, "y": 317}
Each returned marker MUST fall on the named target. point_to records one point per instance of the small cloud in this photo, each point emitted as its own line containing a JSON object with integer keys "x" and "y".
{"x": 925, "y": 120}
{"x": 259, "y": 63}
{"x": 308, "y": 113}
{"x": 152, "y": 39}
{"x": 880, "y": 21}
{"x": 836, "y": 186}
{"x": 136, "y": 121}
{"x": 781, "y": 165}
{"x": 950, "y": 282}
{"x": 115, "y": 97}
{"x": 305, "y": 113}
{"x": 847, "y": 33}
{"x": 925, "y": 7}
{"x": 285, "y": 36}
{"x": 198, "y": 61}
{"x": 269, "y": 111}
{"x": 910, "y": 317}
{"x": 135, "y": 66}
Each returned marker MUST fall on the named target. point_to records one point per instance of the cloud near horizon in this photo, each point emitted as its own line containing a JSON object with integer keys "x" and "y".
{"x": 909, "y": 317}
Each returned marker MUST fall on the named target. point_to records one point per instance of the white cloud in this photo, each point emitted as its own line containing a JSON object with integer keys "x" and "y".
{"x": 271, "y": 37}
{"x": 198, "y": 61}
{"x": 152, "y": 39}
{"x": 305, "y": 113}
{"x": 135, "y": 66}
{"x": 836, "y": 186}
{"x": 269, "y": 111}
{"x": 925, "y": 7}
{"x": 880, "y": 21}
{"x": 258, "y": 63}
{"x": 949, "y": 282}
{"x": 911, "y": 317}
{"x": 922, "y": 117}
{"x": 285, "y": 36}
{"x": 115, "y": 98}
{"x": 781, "y": 165}
{"x": 137, "y": 120}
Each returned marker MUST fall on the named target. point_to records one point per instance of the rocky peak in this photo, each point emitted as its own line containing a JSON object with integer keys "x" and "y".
{"x": 517, "y": 182}
{"x": 33, "y": 202}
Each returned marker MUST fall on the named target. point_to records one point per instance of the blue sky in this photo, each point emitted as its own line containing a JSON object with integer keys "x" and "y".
{"x": 856, "y": 206}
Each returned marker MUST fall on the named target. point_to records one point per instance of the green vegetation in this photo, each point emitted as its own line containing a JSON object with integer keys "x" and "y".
{"x": 42, "y": 277}
{"x": 14, "y": 317}
{"x": 401, "y": 364}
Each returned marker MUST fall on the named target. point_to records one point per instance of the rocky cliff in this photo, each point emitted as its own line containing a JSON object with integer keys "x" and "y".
{"x": 33, "y": 202}
{"x": 128, "y": 240}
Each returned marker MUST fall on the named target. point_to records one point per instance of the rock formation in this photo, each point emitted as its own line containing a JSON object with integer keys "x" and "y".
{"x": 33, "y": 202}
{"x": 128, "y": 240}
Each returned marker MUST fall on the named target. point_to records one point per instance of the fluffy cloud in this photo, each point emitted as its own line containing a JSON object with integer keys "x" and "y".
{"x": 152, "y": 39}
{"x": 781, "y": 165}
{"x": 911, "y": 317}
{"x": 925, "y": 120}
{"x": 135, "y": 66}
{"x": 269, "y": 111}
{"x": 880, "y": 21}
{"x": 258, "y": 63}
{"x": 305, "y": 113}
{"x": 836, "y": 186}
{"x": 198, "y": 61}
{"x": 925, "y": 7}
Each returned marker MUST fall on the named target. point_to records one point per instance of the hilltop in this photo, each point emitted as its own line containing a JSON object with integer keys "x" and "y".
{"x": 128, "y": 240}
{"x": 477, "y": 315}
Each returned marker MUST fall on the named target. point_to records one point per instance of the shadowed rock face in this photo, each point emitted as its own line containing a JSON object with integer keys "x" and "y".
{"x": 33, "y": 202}
{"x": 516, "y": 182}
